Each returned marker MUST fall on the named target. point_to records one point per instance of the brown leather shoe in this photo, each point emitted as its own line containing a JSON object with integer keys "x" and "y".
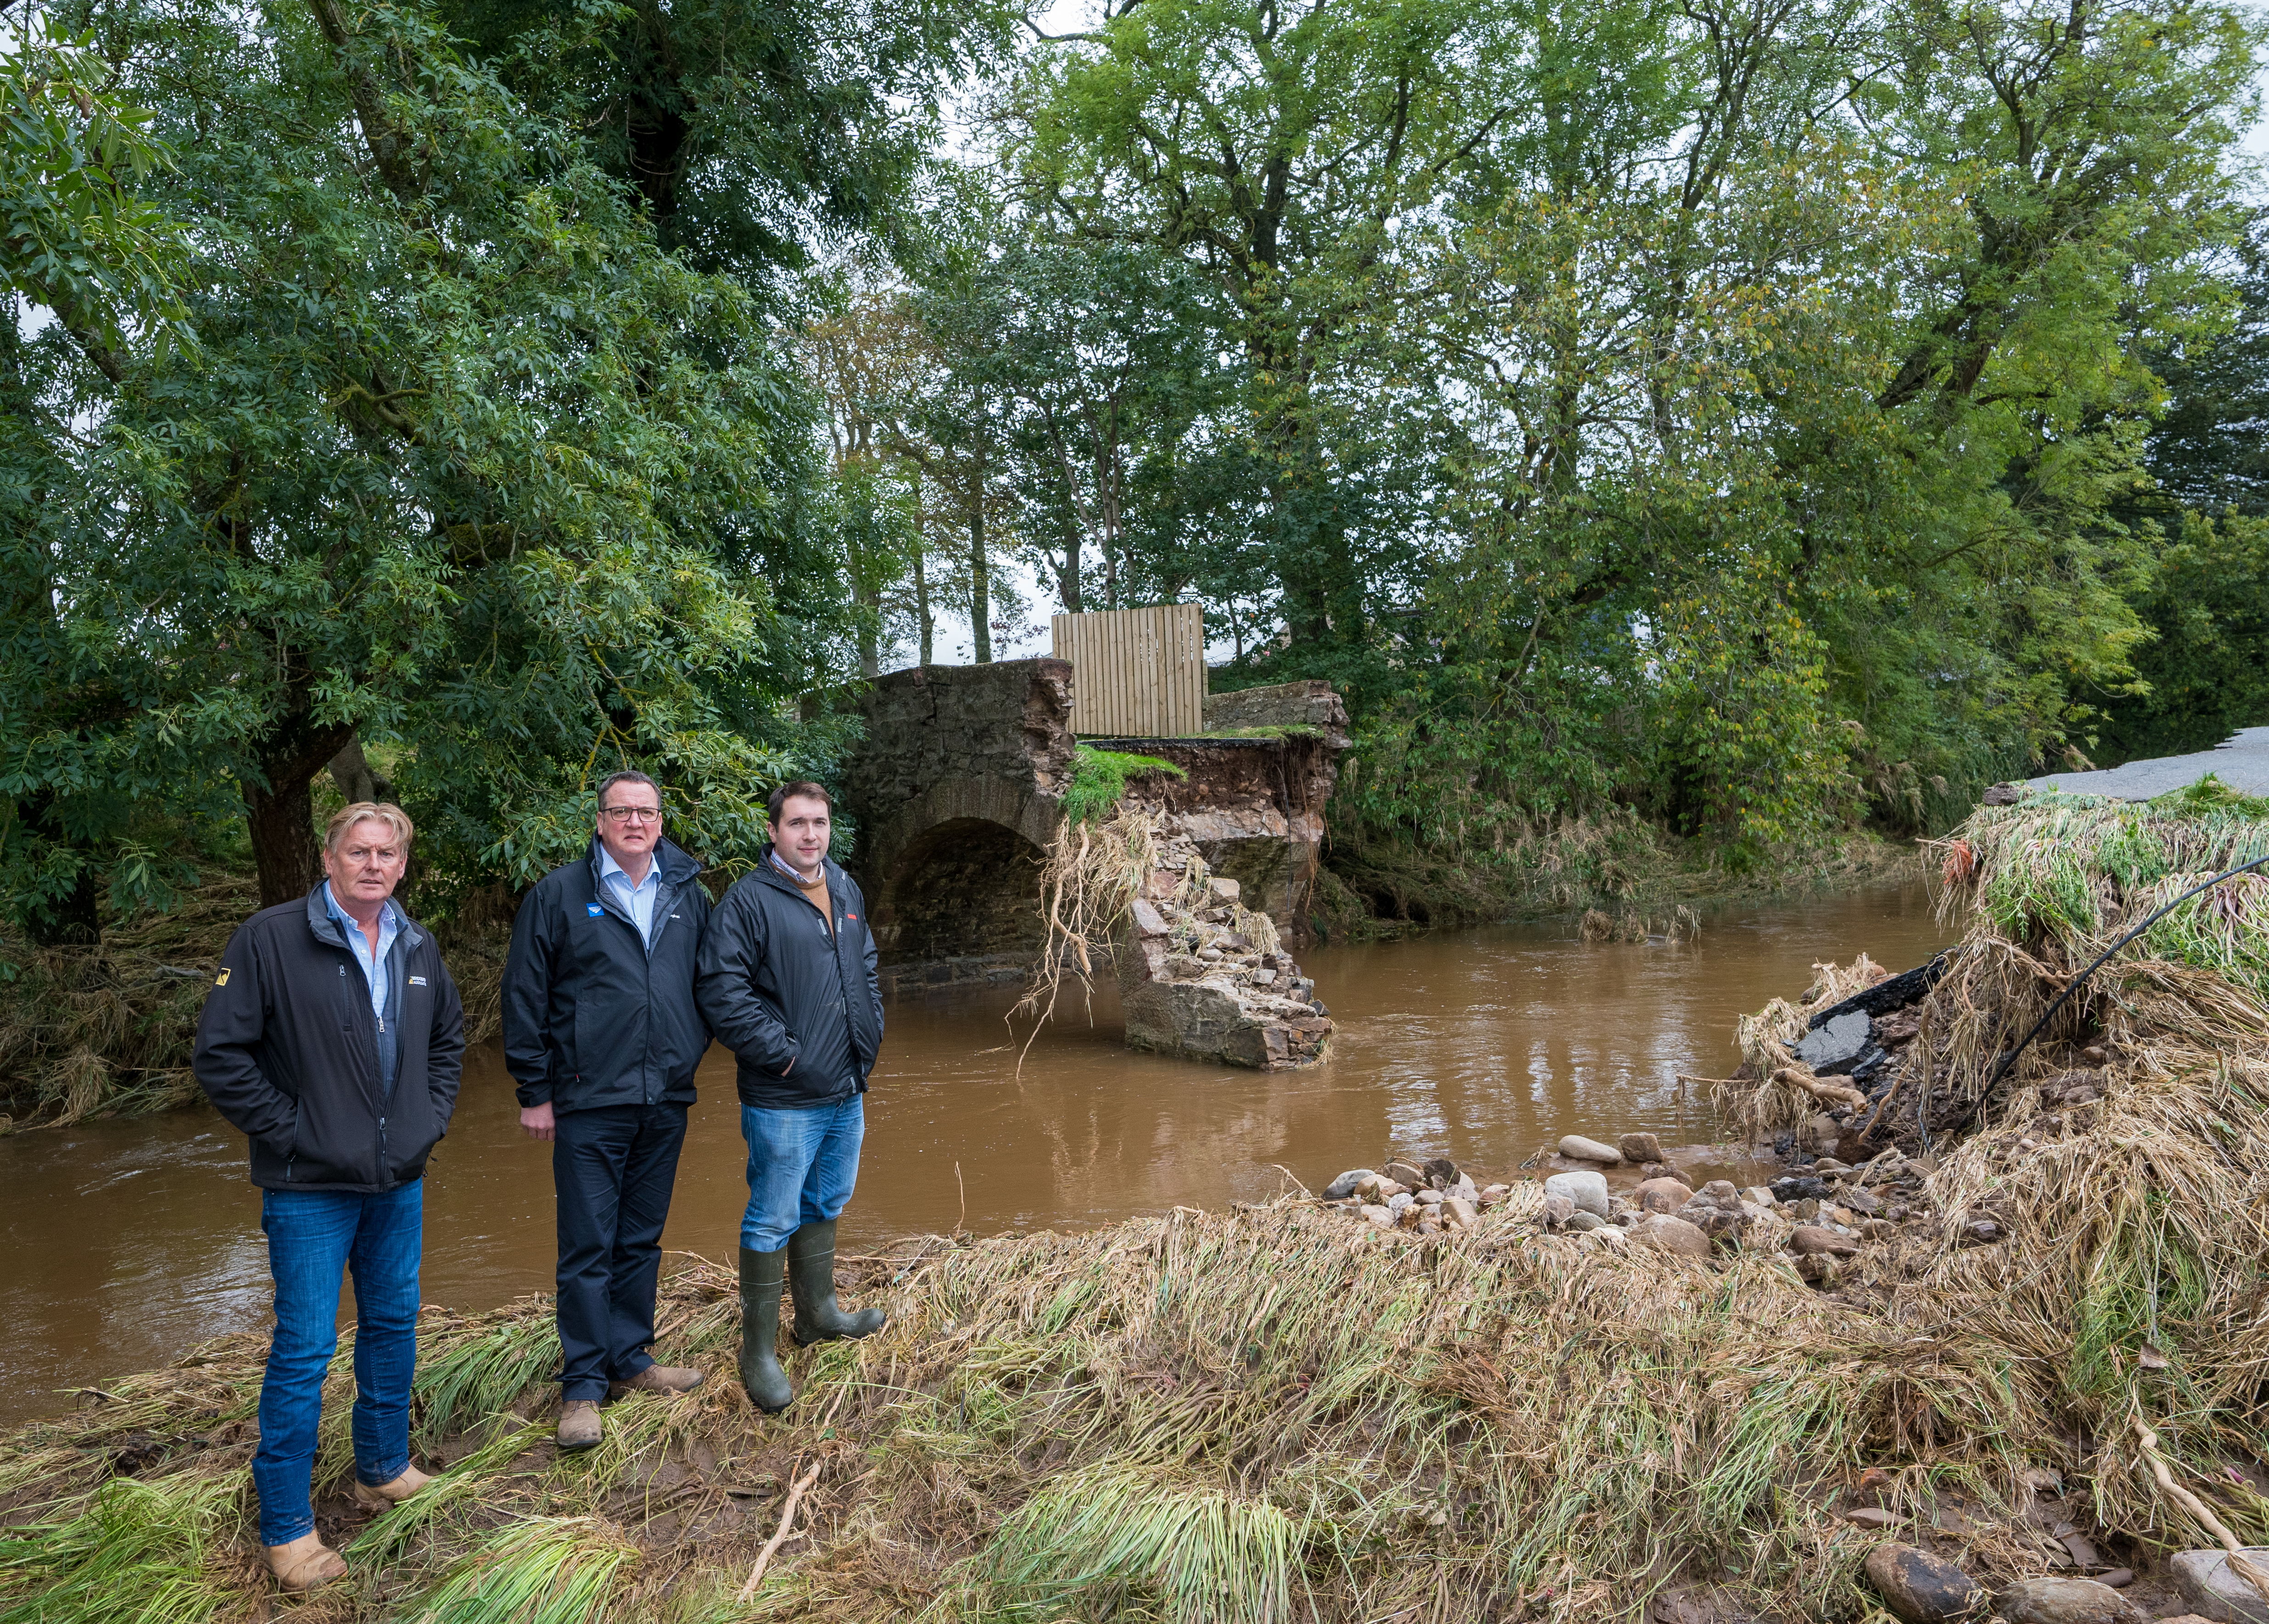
{"x": 579, "y": 1424}
{"x": 657, "y": 1378}
{"x": 378, "y": 1497}
{"x": 304, "y": 1564}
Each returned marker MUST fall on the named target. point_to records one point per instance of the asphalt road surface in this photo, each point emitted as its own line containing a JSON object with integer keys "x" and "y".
{"x": 2242, "y": 764}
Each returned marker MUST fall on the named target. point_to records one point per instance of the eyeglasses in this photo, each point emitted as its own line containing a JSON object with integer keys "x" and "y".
{"x": 632, "y": 815}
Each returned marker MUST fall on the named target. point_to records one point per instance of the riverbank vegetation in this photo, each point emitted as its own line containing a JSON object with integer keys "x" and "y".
{"x": 1271, "y": 1414}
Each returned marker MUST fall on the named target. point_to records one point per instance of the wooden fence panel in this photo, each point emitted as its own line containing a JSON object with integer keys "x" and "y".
{"x": 1136, "y": 673}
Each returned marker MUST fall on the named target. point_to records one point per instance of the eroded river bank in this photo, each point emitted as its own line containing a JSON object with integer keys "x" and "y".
{"x": 130, "y": 1242}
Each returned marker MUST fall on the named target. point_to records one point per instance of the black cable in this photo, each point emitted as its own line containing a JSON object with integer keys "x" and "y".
{"x": 2001, "y": 1066}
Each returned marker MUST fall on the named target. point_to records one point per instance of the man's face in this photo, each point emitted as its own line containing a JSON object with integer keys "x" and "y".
{"x": 630, "y": 822}
{"x": 802, "y": 831}
{"x": 367, "y": 863}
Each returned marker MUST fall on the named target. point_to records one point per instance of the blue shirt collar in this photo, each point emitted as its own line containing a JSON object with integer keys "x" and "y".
{"x": 609, "y": 867}
{"x": 390, "y": 917}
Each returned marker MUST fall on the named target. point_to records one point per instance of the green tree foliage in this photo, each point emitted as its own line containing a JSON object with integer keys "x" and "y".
{"x": 463, "y": 463}
{"x": 76, "y": 232}
{"x": 1732, "y": 415}
{"x": 755, "y": 132}
{"x": 2206, "y": 671}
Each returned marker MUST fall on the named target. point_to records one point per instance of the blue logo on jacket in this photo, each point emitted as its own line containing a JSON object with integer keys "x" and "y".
{"x": 593, "y": 909}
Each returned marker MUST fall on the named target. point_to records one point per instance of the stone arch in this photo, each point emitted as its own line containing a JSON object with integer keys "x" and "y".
{"x": 955, "y": 873}
{"x": 968, "y": 888}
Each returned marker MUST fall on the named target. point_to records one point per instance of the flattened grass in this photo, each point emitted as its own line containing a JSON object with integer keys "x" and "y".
{"x": 129, "y": 1552}
{"x": 535, "y": 1570}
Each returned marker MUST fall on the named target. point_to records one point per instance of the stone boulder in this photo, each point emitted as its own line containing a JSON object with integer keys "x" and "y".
{"x": 1575, "y": 1148}
{"x": 1344, "y": 1186}
{"x": 1215, "y": 1020}
{"x": 1666, "y": 1233}
{"x": 1720, "y": 1216}
{"x": 1587, "y": 1191}
{"x": 1835, "y": 1048}
{"x": 2213, "y": 1588}
{"x": 1810, "y": 1240}
{"x": 1640, "y": 1148}
{"x": 1662, "y": 1195}
{"x": 1921, "y": 1589}
{"x": 2067, "y": 1601}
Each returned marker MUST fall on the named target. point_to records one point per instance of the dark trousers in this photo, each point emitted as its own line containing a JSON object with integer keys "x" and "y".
{"x": 613, "y": 1167}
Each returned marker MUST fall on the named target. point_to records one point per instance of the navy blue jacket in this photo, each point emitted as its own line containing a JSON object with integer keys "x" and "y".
{"x": 592, "y": 1015}
{"x": 287, "y": 1048}
{"x": 787, "y": 997}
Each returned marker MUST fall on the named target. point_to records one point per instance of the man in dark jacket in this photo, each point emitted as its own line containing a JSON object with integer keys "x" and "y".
{"x": 601, "y": 1035}
{"x": 787, "y": 982}
{"x": 333, "y": 1038}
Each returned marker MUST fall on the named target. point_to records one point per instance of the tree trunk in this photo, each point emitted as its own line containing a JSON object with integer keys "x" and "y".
{"x": 1068, "y": 586}
{"x": 280, "y": 815}
{"x": 921, "y": 601}
{"x": 870, "y": 658}
{"x": 351, "y": 771}
{"x": 921, "y": 572}
{"x": 980, "y": 577}
{"x": 281, "y": 824}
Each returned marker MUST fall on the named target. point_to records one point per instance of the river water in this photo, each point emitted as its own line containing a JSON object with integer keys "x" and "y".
{"x": 127, "y": 1243}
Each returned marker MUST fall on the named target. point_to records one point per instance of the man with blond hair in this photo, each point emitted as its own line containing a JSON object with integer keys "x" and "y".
{"x": 333, "y": 1039}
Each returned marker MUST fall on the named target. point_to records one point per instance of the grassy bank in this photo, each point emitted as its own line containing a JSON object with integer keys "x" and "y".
{"x": 1272, "y": 1413}
{"x": 1631, "y": 873}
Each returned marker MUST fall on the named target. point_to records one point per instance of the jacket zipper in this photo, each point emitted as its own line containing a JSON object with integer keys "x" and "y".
{"x": 380, "y": 1171}
{"x": 606, "y": 899}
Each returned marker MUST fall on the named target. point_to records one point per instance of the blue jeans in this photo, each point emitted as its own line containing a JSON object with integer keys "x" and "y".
{"x": 803, "y": 1164}
{"x": 312, "y": 1235}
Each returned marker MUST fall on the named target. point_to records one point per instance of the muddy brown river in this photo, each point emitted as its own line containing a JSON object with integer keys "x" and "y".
{"x": 127, "y": 1243}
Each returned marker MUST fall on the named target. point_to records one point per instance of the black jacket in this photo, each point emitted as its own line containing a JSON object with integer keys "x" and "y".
{"x": 287, "y": 1048}
{"x": 777, "y": 988}
{"x": 592, "y": 1016}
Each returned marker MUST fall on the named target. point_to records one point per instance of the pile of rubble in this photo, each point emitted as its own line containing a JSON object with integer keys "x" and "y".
{"x": 1405, "y": 1195}
{"x": 1201, "y": 974}
{"x": 1822, "y": 1212}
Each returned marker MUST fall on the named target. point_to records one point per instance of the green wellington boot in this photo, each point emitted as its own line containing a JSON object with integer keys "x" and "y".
{"x": 811, "y": 1277}
{"x": 760, "y": 1302}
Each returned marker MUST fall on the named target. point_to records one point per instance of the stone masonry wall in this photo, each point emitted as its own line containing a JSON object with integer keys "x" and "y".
{"x": 956, "y": 792}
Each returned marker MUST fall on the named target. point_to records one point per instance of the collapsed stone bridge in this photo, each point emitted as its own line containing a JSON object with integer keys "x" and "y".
{"x": 956, "y": 792}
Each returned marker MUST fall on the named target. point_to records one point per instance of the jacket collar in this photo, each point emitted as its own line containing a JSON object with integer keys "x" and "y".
{"x": 327, "y": 929}
{"x": 771, "y": 870}
{"x": 677, "y": 865}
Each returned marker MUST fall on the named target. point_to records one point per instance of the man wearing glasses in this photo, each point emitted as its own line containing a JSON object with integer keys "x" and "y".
{"x": 601, "y": 1035}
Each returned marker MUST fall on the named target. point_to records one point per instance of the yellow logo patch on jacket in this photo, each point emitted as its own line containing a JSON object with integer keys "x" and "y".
{"x": 221, "y": 979}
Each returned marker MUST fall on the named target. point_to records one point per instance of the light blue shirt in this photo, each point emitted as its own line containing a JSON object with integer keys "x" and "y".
{"x": 637, "y": 900}
{"x": 373, "y": 964}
